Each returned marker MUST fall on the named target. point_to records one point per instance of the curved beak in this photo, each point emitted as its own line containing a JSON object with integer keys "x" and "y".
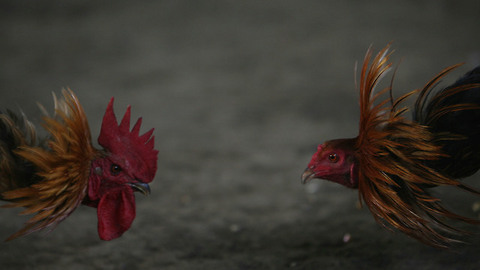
{"x": 144, "y": 188}
{"x": 307, "y": 175}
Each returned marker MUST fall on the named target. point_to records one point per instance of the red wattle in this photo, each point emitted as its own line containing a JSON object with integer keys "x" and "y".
{"x": 116, "y": 212}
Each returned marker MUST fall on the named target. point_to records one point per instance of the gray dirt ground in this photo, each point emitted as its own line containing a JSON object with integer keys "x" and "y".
{"x": 240, "y": 93}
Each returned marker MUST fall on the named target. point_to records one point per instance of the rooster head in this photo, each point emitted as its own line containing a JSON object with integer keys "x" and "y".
{"x": 334, "y": 161}
{"x": 127, "y": 164}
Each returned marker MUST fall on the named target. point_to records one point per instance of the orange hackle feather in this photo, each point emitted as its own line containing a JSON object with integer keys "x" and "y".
{"x": 392, "y": 152}
{"x": 63, "y": 167}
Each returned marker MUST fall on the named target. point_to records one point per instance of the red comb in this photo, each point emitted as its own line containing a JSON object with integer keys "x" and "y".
{"x": 135, "y": 150}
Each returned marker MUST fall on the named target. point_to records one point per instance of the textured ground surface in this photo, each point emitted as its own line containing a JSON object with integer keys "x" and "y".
{"x": 240, "y": 93}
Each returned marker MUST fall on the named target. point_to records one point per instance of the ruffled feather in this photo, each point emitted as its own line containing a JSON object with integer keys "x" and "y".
{"x": 63, "y": 166}
{"x": 393, "y": 154}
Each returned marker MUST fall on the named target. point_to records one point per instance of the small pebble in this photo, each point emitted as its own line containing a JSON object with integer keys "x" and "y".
{"x": 346, "y": 238}
{"x": 234, "y": 228}
{"x": 476, "y": 206}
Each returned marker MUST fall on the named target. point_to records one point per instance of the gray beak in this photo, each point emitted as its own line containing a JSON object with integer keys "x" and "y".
{"x": 142, "y": 187}
{"x": 307, "y": 175}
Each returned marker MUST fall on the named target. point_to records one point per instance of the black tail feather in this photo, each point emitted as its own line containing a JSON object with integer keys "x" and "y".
{"x": 453, "y": 115}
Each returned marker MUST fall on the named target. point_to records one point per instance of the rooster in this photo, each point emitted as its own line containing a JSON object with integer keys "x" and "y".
{"x": 53, "y": 177}
{"x": 394, "y": 162}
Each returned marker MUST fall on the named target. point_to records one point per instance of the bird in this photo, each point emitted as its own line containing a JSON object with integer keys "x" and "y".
{"x": 52, "y": 176}
{"x": 397, "y": 160}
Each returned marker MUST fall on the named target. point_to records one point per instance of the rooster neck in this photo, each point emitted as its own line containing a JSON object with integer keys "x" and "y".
{"x": 348, "y": 146}
{"x": 95, "y": 179}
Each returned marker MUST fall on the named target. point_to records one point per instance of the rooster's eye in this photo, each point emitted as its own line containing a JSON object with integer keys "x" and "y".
{"x": 333, "y": 157}
{"x": 115, "y": 169}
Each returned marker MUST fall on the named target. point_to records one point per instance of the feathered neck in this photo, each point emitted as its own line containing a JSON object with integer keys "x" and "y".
{"x": 392, "y": 152}
{"x": 64, "y": 168}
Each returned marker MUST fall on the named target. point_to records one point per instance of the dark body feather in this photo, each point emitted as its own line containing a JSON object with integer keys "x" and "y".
{"x": 15, "y": 171}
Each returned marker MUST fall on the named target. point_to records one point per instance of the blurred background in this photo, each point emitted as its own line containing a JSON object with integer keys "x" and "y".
{"x": 239, "y": 93}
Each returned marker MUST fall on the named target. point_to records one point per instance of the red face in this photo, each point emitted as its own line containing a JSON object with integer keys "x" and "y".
{"x": 333, "y": 161}
{"x": 111, "y": 189}
{"x": 111, "y": 174}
